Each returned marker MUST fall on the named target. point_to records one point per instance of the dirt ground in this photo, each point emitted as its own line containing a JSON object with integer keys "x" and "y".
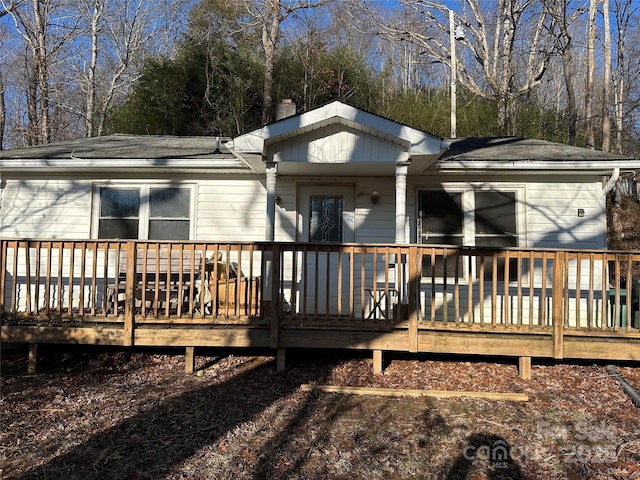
{"x": 99, "y": 413}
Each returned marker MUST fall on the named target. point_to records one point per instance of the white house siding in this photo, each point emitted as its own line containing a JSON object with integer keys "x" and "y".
{"x": 552, "y": 214}
{"x": 231, "y": 209}
{"x": 286, "y": 212}
{"x": 376, "y": 223}
{"x": 46, "y": 208}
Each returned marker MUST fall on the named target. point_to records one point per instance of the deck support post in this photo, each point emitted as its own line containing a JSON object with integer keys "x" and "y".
{"x": 280, "y": 359}
{"x": 377, "y": 362}
{"x": 190, "y": 360}
{"x": 524, "y": 368}
{"x": 129, "y": 296}
{"x": 33, "y": 358}
{"x": 274, "y": 282}
{"x": 413, "y": 306}
{"x": 558, "y": 304}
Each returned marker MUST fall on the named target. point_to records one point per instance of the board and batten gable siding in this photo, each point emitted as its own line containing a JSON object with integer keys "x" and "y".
{"x": 338, "y": 144}
{"x": 46, "y": 208}
{"x": 231, "y": 209}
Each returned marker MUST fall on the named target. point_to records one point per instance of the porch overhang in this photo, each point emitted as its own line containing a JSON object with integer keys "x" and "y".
{"x": 337, "y": 140}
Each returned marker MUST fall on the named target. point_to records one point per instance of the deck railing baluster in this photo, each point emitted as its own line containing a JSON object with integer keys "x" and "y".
{"x": 348, "y": 287}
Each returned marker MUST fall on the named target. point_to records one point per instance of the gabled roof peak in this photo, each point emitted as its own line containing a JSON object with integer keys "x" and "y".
{"x": 417, "y": 142}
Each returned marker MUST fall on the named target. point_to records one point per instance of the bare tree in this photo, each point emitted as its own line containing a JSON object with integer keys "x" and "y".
{"x": 3, "y": 105}
{"x": 128, "y": 29}
{"x": 495, "y": 43}
{"x": 624, "y": 14}
{"x": 606, "y": 85}
{"x": 268, "y": 15}
{"x": 3, "y": 112}
{"x": 588, "y": 99}
{"x": 561, "y": 21}
{"x": 46, "y": 27}
{"x": 90, "y": 130}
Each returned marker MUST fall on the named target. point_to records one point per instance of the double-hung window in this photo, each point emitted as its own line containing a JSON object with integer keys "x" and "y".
{"x": 471, "y": 217}
{"x": 154, "y": 212}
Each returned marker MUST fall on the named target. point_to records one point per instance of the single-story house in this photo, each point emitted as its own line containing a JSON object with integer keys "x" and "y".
{"x": 335, "y": 174}
{"x": 332, "y": 175}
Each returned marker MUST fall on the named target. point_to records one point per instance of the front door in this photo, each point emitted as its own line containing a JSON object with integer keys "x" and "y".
{"x": 325, "y": 215}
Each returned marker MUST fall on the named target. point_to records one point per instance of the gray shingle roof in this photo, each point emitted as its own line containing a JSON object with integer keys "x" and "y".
{"x": 125, "y": 146}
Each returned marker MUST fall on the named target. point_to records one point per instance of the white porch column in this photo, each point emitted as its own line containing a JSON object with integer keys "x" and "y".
{"x": 401, "y": 215}
{"x": 401, "y": 201}
{"x": 270, "y": 231}
{"x": 272, "y": 180}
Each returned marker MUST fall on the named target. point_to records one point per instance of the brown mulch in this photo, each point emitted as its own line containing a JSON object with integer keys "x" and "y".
{"x": 100, "y": 413}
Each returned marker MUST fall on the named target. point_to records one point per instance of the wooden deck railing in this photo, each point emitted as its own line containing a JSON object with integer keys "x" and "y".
{"x": 354, "y": 287}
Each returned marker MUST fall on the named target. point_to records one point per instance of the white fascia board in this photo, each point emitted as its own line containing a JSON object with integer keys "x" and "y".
{"x": 13, "y": 165}
{"x": 555, "y": 166}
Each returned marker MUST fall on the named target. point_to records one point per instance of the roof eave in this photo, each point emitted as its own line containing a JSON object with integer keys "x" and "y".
{"x": 119, "y": 164}
{"x": 556, "y": 167}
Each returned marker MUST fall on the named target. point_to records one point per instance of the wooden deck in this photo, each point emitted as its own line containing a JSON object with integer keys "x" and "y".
{"x": 572, "y": 304}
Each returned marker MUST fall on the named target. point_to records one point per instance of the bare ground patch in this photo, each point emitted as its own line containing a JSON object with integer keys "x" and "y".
{"x": 124, "y": 414}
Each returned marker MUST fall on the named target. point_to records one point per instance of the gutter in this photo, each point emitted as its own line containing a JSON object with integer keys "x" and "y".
{"x": 611, "y": 184}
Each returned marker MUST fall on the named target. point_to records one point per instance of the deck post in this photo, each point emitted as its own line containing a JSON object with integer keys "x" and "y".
{"x": 190, "y": 360}
{"x": 414, "y": 309}
{"x": 33, "y": 358}
{"x": 377, "y": 362}
{"x": 558, "y": 304}
{"x": 280, "y": 359}
{"x": 274, "y": 280}
{"x": 129, "y": 295}
{"x": 524, "y": 368}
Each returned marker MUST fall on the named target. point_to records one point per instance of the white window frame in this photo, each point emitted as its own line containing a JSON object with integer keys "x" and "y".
{"x": 145, "y": 188}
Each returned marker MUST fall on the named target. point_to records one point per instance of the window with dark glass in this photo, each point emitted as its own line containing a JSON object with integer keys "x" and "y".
{"x": 441, "y": 218}
{"x": 495, "y": 227}
{"x": 153, "y": 213}
{"x": 169, "y": 214}
{"x": 325, "y": 218}
{"x": 119, "y": 213}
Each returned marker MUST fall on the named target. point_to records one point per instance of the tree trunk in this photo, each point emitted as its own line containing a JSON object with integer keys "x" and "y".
{"x": 3, "y": 112}
{"x": 32, "y": 104}
{"x": 270, "y": 33}
{"x": 571, "y": 96}
{"x": 41, "y": 67}
{"x": 606, "y": 90}
{"x": 623, "y": 15}
{"x": 90, "y": 129}
{"x": 588, "y": 98}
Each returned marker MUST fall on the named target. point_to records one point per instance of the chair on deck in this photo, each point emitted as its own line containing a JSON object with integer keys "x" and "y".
{"x": 160, "y": 278}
